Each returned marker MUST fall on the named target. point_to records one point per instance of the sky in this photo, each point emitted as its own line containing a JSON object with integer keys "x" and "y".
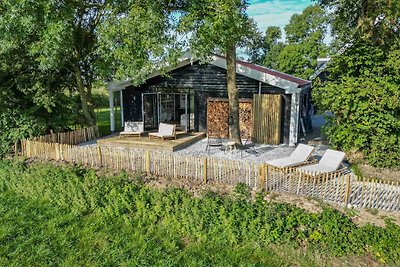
{"x": 275, "y": 12}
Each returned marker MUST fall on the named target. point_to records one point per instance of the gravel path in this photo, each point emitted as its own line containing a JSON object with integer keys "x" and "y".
{"x": 259, "y": 154}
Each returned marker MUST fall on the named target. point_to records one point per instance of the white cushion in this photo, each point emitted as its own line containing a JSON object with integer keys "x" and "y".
{"x": 329, "y": 162}
{"x": 284, "y": 162}
{"x": 134, "y": 127}
{"x": 166, "y": 129}
{"x": 298, "y": 156}
{"x": 302, "y": 152}
{"x": 332, "y": 158}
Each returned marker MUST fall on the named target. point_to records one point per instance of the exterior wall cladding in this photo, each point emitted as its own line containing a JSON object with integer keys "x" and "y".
{"x": 203, "y": 81}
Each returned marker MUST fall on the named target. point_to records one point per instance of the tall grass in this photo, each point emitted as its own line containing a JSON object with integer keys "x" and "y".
{"x": 71, "y": 216}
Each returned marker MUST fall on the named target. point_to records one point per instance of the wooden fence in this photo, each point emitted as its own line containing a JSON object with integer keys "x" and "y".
{"x": 72, "y": 137}
{"x": 267, "y": 118}
{"x": 342, "y": 189}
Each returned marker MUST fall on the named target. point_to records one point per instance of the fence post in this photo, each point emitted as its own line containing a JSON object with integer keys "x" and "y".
{"x": 205, "y": 170}
{"x": 300, "y": 183}
{"x": 347, "y": 193}
{"x": 148, "y": 165}
{"x": 57, "y": 150}
{"x": 267, "y": 174}
{"x": 100, "y": 156}
{"x": 16, "y": 152}
{"x": 261, "y": 177}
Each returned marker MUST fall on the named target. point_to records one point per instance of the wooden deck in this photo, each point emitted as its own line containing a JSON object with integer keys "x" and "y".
{"x": 182, "y": 140}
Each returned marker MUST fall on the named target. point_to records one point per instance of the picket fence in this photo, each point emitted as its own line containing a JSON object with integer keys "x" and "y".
{"x": 337, "y": 188}
{"x": 72, "y": 137}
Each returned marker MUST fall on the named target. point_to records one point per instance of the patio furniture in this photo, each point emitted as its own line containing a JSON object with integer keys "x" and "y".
{"x": 213, "y": 141}
{"x": 298, "y": 157}
{"x": 165, "y": 131}
{"x": 230, "y": 145}
{"x": 249, "y": 145}
{"x": 330, "y": 162}
{"x": 132, "y": 128}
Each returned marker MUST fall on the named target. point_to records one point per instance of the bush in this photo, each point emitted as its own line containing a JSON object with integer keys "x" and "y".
{"x": 15, "y": 125}
{"x": 366, "y": 117}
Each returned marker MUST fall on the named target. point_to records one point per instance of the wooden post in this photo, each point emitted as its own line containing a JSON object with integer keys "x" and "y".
{"x": 262, "y": 177}
{"x": 57, "y": 151}
{"x": 266, "y": 170}
{"x": 298, "y": 186}
{"x": 16, "y": 149}
{"x": 148, "y": 165}
{"x": 347, "y": 193}
{"x": 100, "y": 156}
{"x": 205, "y": 170}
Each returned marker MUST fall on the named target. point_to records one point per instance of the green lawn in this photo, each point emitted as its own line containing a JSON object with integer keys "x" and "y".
{"x": 68, "y": 216}
{"x": 103, "y": 120}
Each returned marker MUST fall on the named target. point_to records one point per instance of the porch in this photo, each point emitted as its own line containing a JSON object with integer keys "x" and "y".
{"x": 182, "y": 140}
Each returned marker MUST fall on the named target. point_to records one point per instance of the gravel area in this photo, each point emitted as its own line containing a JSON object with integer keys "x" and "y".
{"x": 260, "y": 153}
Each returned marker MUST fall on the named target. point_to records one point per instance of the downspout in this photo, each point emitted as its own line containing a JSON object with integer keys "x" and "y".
{"x": 111, "y": 105}
{"x": 122, "y": 109}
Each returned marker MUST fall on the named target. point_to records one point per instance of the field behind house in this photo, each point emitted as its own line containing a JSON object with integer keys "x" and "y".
{"x": 75, "y": 217}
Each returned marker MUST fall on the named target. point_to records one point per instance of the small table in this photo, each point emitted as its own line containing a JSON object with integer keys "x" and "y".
{"x": 230, "y": 145}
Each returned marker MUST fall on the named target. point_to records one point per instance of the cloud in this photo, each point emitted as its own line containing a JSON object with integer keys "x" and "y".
{"x": 275, "y": 12}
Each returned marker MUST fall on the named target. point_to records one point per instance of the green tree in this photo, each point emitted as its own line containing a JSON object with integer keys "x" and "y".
{"x": 160, "y": 30}
{"x": 304, "y": 43}
{"x": 221, "y": 25}
{"x": 264, "y": 50}
{"x": 362, "y": 91}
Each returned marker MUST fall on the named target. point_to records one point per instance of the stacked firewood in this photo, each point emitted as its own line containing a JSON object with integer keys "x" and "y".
{"x": 218, "y": 117}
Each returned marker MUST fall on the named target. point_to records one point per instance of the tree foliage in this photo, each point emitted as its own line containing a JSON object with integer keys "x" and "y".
{"x": 304, "y": 43}
{"x": 219, "y": 26}
{"x": 363, "y": 87}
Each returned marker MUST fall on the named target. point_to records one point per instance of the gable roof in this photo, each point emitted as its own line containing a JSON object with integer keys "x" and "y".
{"x": 289, "y": 83}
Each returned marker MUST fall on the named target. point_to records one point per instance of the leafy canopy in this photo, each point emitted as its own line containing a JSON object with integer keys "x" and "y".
{"x": 363, "y": 87}
{"x": 304, "y": 43}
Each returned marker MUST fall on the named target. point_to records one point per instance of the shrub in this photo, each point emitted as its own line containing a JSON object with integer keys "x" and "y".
{"x": 366, "y": 117}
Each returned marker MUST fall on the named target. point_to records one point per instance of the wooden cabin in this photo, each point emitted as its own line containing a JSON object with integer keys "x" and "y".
{"x": 279, "y": 102}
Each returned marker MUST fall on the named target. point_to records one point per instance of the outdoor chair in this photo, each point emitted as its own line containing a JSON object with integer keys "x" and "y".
{"x": 133, "y": 128}
{"x": 213, "y": 141}
{"x": 330, "y": 162}
{"x": 299, "y": 156}
{"x": 165, "y": 131}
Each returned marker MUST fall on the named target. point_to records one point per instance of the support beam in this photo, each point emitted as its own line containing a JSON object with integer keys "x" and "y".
{"x": 122, "y": 108}
{"x": 294, "y": 119}
{"x": 111, "y": 105}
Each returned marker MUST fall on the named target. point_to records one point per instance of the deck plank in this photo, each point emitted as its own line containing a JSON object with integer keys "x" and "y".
{"x": 183, "y": 140}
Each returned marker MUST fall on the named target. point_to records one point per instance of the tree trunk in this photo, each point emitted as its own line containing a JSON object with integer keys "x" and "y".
{"x": 233, "y": 93}
{"x": 87, "y": 109}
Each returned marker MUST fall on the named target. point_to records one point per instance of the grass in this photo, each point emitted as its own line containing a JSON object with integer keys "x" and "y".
{"x": 103, "y": 120}
{"x": 73, "y": 217}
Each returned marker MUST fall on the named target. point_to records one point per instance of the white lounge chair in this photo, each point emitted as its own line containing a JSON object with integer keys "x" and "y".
{"x": 330, "y": 162}
{"x": 165, "y": 131}
{"x": 132, "y": 128}
{"x": 298, "y": 157}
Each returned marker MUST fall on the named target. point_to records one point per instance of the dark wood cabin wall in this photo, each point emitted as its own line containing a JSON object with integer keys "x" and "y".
{"x": 132, "y": 102}
{"x": 206, "y": 81}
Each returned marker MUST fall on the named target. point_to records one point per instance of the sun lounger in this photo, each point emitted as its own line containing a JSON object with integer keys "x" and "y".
{"x": 298, "y": 157}
{"x": 165, "y": 131}
{"x": 133, "y": 128}
{"x": 330, "y": 162}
